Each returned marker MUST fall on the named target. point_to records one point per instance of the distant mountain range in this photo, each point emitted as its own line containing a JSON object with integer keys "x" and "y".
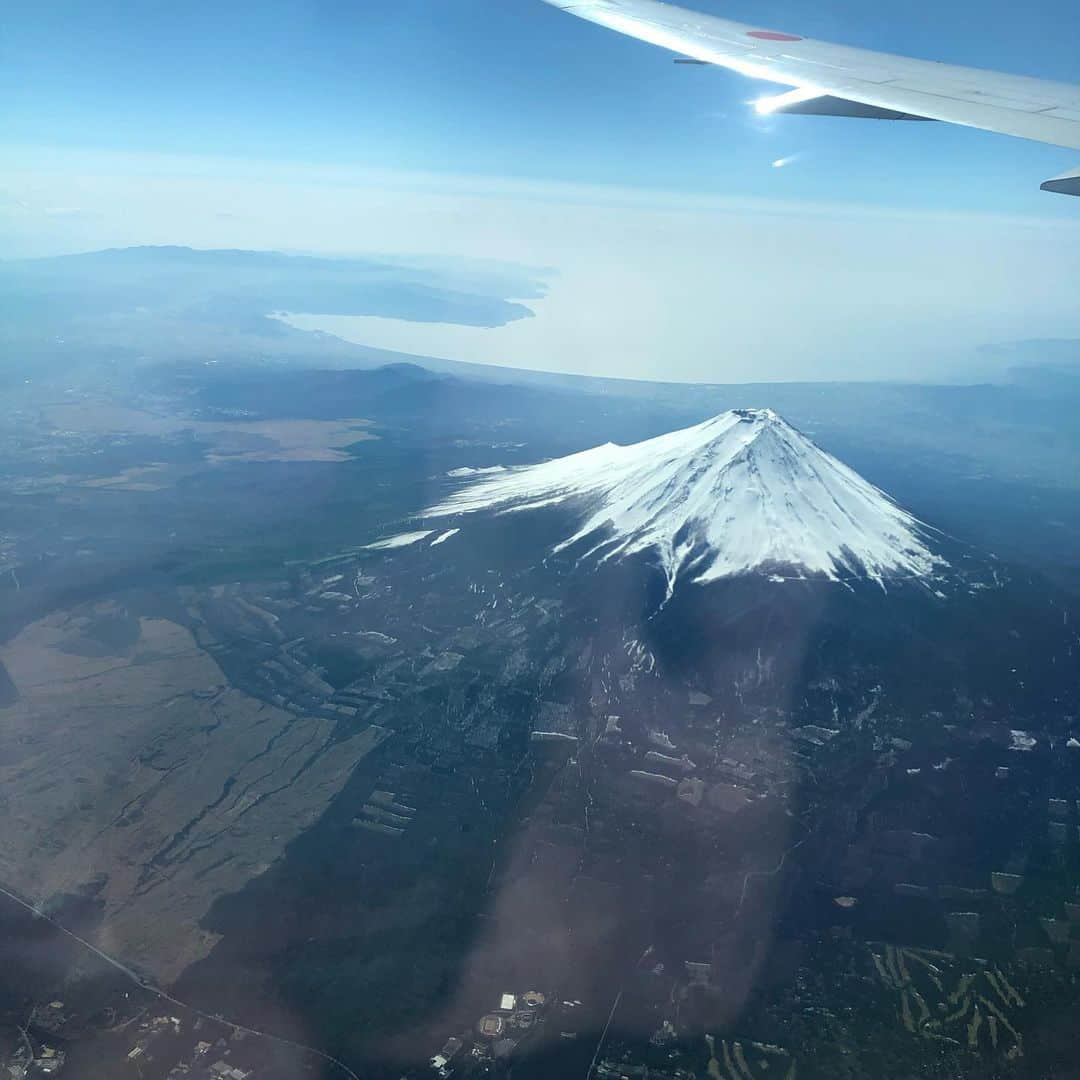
{"x": 230, "y": 286}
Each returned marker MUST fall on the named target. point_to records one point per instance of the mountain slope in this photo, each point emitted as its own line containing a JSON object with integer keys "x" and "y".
{"x": 741, "y": 492}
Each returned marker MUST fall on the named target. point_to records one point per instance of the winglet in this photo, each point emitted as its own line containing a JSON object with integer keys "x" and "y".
{"x": 1065, "y": 184}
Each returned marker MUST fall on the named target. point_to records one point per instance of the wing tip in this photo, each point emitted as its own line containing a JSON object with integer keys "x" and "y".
{"x": 1065, "y": 184}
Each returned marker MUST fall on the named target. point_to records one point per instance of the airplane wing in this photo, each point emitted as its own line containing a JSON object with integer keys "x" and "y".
{"x": 836, "y": 80}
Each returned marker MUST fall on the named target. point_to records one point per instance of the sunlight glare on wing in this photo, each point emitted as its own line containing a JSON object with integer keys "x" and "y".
{"x": 766, "y": 106}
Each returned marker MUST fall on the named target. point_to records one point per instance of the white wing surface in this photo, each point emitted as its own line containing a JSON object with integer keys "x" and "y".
{"x": 836, "y": 80}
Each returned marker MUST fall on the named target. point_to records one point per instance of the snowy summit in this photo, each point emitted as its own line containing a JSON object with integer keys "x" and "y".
{"x": 741, "y": 492}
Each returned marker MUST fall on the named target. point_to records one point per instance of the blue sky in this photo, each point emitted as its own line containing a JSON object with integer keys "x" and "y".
{"x": 510, "y": 87}
{"x": 111, "y": 109}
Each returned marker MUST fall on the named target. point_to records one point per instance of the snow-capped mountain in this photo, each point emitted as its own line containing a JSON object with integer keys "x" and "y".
{"x": 741, "y": 492}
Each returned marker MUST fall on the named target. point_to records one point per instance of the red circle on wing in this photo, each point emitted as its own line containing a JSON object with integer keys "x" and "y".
{"x": 772, "y": 35}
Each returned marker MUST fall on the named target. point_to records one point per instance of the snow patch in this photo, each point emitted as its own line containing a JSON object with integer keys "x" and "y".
{"x": 443, "y": 537}
{"x": 399, "y": 541}
{"x": 476, "y": 472}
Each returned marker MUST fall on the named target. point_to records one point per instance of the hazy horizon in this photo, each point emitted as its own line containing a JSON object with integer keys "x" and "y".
{"x": 687, "y": 237}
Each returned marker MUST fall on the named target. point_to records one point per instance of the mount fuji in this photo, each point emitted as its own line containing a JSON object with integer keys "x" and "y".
{"x": 744, "y": 492}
